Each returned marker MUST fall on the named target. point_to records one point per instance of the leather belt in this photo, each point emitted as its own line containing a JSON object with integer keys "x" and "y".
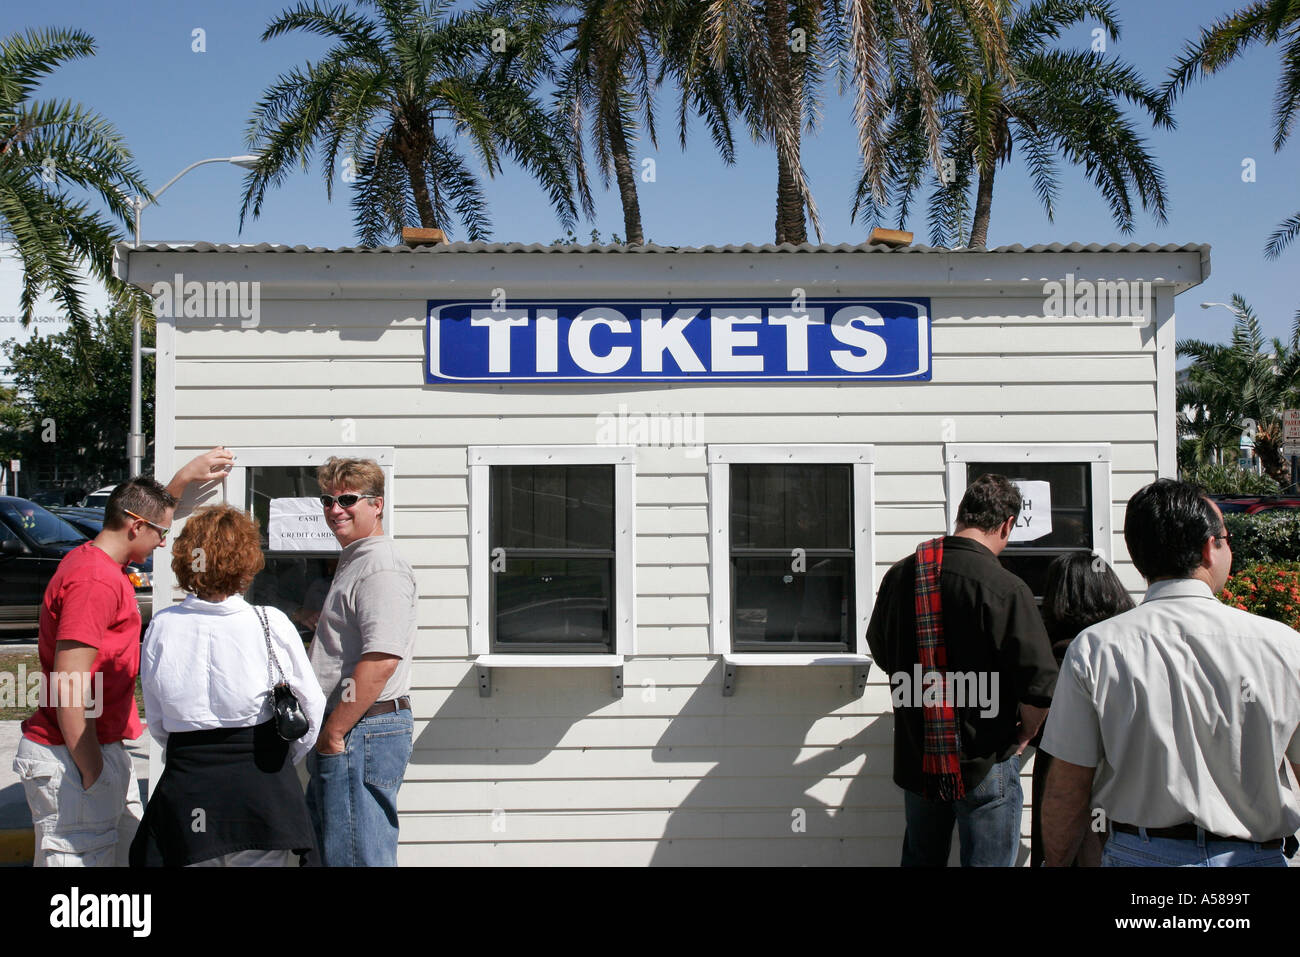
{"x": 1187, "y": 832}
{"x": 389, "y": 707}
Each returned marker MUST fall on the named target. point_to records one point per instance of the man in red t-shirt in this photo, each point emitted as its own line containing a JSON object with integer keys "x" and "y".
{"x": 78, "y": 776}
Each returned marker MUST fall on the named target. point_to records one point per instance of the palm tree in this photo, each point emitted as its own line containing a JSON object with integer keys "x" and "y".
{"x": 1051, "y": 102}
{"x": 395, "y": 95}
{"x": 607, "y": 77}
{"x": 1267, "y": 22}
{"x": 749, "y": 58}
{"x": 1240, "y": 387}
{"x": 44, "y": 147}
{"x": 768, "y": 58}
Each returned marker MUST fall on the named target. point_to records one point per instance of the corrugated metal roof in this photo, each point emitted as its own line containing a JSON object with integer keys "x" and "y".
{"x": 443, "y": 249}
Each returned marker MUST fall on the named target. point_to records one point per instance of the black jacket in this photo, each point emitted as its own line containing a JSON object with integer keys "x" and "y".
{"x": 994, "y": 637}
{"x": 224, "y": 790}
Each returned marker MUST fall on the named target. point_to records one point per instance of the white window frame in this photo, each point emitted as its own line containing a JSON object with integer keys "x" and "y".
{"x": 720, "y": 459}
{"x": 287, "y": 455}
{"x": 235, "y": 486}
{"x": 1096, "y": 454}
{"x": 481, "y": 459}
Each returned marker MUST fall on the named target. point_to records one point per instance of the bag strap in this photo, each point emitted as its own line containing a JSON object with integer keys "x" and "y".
{"x": 260, "y": 611}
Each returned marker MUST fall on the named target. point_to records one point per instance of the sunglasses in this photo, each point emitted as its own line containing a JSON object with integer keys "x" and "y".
{"x": 162, "y": 532}
{"x": 346, "y": 500}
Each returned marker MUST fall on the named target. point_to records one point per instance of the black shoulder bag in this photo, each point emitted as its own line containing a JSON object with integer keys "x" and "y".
{"x": 290, "y": 723}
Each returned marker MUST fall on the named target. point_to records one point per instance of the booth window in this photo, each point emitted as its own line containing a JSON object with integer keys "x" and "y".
{"x": 295, "y": 581}
{"x": 552, "y": 558}
{"x": 554, "y": 570}
{"x": 792, "y": 550}
{"x": 278, "y": 487}
{"x": 1066, "y": 490}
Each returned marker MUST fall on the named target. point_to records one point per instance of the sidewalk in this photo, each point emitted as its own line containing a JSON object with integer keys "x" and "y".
{"x": 17, "y": 842}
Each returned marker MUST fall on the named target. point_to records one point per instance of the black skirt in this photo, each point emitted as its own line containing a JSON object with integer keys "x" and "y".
{"x": 224, "y": 790}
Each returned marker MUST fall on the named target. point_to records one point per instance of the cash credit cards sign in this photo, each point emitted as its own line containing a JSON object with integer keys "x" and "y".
{"x": 719, "y": 340}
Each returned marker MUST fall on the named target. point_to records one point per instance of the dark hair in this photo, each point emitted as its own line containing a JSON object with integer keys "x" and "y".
{"x": 1166, "y": 526}
{"x": 989, "y": 501}
{"x": 1081, "y": 591}
{"x": 141, "y": 495}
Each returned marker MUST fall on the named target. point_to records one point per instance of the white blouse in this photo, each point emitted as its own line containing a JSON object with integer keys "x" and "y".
{"x": 204, "y": 665}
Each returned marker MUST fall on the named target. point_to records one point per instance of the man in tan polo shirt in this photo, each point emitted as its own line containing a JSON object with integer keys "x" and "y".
{"x": 362, "y": 657}
{"x": 1180, "y": 718}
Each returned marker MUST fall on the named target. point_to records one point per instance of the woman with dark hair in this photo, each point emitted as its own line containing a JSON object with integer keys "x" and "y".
{"x": 229, "y": 794}
{"x": 1081, "y": 591}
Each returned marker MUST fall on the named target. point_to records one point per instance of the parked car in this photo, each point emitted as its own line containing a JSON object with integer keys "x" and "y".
{"x": 98, "y": 498}
{"x": 1254, "y": 504}
{"x": 33, "y": 540}
{"x": 90, "y": 521}
{"x": 58, "y": 496}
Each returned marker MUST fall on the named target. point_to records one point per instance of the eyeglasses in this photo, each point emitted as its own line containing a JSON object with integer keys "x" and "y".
{"x": 1225, "y": 537}
{"x": 346, "y": 500}
{"x": 162, "y": 532}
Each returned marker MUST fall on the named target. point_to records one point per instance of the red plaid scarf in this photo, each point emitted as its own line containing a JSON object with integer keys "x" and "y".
{"x": 940, "y": 763}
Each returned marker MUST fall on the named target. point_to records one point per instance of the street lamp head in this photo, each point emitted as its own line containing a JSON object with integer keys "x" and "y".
{"x": 248, "y": 161}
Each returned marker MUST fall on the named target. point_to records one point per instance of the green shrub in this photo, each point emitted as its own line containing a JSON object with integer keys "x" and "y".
{"x": 1232, "y": 480}
{"x": 1272, "y": 536}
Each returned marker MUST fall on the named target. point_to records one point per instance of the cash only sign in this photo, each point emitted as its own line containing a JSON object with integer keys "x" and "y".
{"x": 720, "y": 340}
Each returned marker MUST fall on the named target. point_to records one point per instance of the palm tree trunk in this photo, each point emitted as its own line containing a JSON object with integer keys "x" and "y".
{"x": 789, "y": 210}
{"x": 979, "y": 230}
{"x": 1269, "y": 449}
{"x": 790, "y": 227}
{"x": 413, "y": 160}
{"x": 626, "y": 177}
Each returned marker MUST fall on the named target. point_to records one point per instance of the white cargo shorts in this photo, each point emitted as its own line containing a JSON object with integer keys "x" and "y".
{"x": 76, "y": 827}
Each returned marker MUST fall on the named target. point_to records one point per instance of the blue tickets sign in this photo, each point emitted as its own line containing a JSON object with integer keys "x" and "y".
{"x": 717, "y": 340}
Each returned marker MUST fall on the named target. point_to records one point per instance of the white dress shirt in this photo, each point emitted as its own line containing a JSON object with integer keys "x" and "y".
{"x": 1187, "y": 708}
{"x": 204, "y": 665}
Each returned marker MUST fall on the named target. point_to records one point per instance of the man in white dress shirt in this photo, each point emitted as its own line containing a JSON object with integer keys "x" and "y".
{"x": 1180, "y": 718}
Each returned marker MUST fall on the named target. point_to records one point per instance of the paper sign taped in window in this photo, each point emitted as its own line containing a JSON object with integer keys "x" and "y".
{"x": 298, "y": 525}
{"x": 1035, "y": 519}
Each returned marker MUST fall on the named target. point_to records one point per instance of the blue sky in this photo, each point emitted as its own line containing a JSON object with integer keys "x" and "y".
{"x": 175, "y": 105}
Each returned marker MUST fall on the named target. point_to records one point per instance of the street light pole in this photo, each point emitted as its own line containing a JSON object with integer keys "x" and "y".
{"x": 135, "y": 442}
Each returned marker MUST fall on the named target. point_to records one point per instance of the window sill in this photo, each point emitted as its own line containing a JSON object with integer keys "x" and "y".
{"x": 732, "y": 662}
{"x": 484, "y": 664}
{"x": 781, "y": 658}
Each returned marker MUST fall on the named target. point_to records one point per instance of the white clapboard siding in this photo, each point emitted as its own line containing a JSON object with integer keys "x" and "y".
{"x": 552, "y": 768}
{"x": 397, "y": 372}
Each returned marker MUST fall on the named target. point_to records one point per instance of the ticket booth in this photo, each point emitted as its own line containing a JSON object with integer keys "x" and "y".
{"x": 648, "y": 496}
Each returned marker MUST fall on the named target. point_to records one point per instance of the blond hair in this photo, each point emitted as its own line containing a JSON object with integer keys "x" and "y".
{"x": 364, "y": 475}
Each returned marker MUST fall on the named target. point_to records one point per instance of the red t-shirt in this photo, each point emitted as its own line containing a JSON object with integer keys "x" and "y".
{"x": 90, "y": 600}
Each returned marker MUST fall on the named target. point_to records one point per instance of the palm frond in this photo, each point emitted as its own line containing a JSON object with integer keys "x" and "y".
{"x": 1282, "y": 236}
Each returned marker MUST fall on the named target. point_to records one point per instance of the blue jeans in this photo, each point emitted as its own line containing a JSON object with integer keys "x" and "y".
{"x": 987, "y": 818}
{"x": 352, "y": 795}
{"x": 1139, "y": 850}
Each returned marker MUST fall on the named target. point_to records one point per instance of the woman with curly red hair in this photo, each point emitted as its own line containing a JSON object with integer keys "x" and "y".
{"x": 229, "y": 794}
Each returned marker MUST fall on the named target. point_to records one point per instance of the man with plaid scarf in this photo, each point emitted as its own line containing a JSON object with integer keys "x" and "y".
{"x": 971, "y": 675}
